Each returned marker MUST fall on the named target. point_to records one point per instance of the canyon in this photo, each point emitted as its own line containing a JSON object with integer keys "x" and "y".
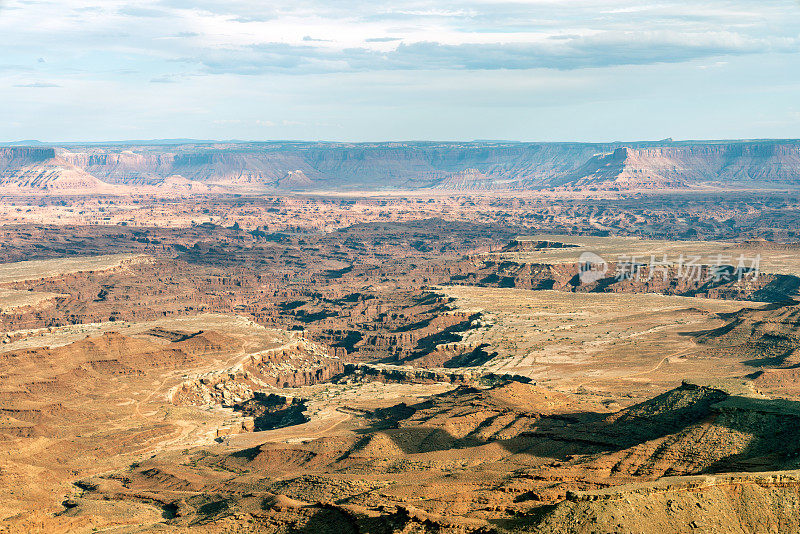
{"x": 411, "y": 362}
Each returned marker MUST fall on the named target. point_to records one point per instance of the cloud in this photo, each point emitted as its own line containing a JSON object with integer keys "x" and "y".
{"x": 605, "y": 49}
{"x": 249, "y": 19}
{"x": 239, "y": 122}
{"x": 311, "y": 36}
{"x": 386, "y": 67}
{"x": 164, "y": 79}
{"x": 601, "y": 50}
{"x": 143, "y": 12}
{"x": 37, "y": 85}
{"x": 388, "y": 39}
{"x": 268, "y": 57}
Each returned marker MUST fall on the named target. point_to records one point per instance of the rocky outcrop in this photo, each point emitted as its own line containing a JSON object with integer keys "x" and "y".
{"x": 299, "y": 363}
{"x": 548, "y": 461}
{"x": 270, "y": 411}
{"x": 764, "y": 502}
{"x": 709, "y": 281}
{"x": 764, "y": 163}
{"x": 627, "y": 168}
{"x": 35, "y": 169}
{"x": 52, "y": 176}
{"x": 149, "y": 166}
{"x": 365, "y": 372}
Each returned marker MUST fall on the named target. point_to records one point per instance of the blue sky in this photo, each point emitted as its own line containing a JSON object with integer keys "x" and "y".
{"x": 356, "y": 70}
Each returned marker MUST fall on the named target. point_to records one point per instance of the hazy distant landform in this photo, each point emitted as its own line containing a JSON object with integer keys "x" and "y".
{"x": 207, "y": 167}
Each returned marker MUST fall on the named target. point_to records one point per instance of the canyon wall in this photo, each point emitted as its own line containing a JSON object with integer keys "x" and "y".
{"x": 414, "y": 165}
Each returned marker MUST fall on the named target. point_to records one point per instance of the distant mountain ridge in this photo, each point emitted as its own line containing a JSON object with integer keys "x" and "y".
{"x": 489, "y": 165}
{"x": 30, "y": 170}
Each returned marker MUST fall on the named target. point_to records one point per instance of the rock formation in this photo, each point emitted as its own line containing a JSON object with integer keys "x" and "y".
{"x": 412, "y": 165}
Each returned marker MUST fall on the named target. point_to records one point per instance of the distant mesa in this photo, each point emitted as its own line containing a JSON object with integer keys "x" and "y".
{"x": 27, "y": 170}
{"x": 477, "y": 166}
{"x": 626, "y": 168}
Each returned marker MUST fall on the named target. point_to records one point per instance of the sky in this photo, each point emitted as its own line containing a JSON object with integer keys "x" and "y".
{"x": 359, "y": 70}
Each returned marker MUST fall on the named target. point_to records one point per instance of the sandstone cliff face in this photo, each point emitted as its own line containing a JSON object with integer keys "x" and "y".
{"x": 54, "y": 176}
{"x": 10, "y": 156}
{"x": 300, "y": 363}
{"x": 757, "y": 162}
{"x": 123, "y": 167}
{"x": 33, "y": 169}
{"x": 628, "y": 168}
{"x": 450, "y": 166}
{"x": 679, "y": 167}
{"x": 208, "y": 165}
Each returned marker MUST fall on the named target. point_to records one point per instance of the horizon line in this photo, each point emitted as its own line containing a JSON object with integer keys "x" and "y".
{"x": 190, "y": 141}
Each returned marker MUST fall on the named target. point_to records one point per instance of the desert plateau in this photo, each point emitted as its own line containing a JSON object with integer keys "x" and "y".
{"x": 399, "y": 267}
{"x": 434, "y": 360}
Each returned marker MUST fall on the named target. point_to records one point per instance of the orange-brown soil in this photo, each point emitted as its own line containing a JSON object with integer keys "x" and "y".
{"x": 394, "y": 364}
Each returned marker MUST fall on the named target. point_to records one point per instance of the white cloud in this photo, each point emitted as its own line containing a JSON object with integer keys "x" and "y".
{"x": 187, "y": 59}
{"x": 37, "y": 85}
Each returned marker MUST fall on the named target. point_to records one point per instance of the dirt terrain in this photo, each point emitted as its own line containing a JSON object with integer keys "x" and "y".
{"x": 398, "y": 363}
